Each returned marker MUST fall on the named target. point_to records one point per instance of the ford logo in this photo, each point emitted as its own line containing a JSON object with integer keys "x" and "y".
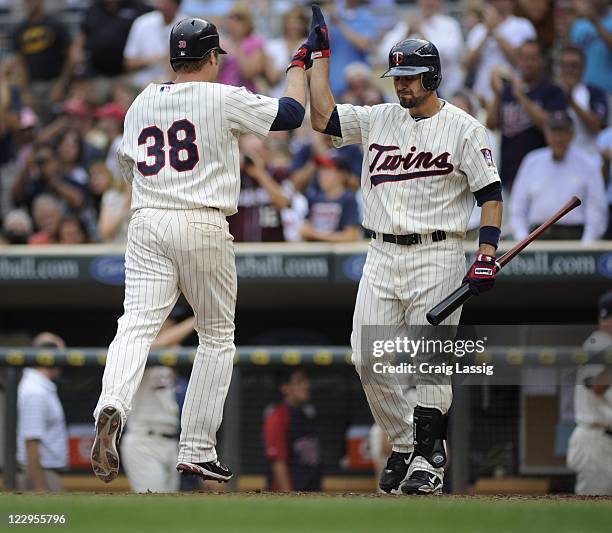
{"x": 353, "y": 267}
{"x": 108, "y": 270}
{"x": 605, "y": 265}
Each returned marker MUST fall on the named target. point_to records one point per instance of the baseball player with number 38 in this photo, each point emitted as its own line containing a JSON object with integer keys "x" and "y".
{"x": 425, "y": 164}
{"x": 180, "y": 152}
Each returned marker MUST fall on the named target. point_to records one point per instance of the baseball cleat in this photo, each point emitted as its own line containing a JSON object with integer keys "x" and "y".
{"x": 395, "y": 471}
{"x": 213, "y": 470}
{"x": 421, "y": 482}
{"x": 104, "y": 453}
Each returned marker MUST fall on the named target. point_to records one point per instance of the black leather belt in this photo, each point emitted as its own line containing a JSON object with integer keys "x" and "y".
{"x": 412, "y": 238}
{"x": 152, "y": 433}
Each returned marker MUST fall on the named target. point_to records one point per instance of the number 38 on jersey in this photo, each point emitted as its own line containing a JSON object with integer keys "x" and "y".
{"x": 175, "y": 147}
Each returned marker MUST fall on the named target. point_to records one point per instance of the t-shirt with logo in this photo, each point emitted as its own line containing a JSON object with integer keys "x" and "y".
{"x": 520, "y": 135}
{"x": 329, "y": 215}
{"x": 43, "y": 45}
{"x": 257, "y": 219}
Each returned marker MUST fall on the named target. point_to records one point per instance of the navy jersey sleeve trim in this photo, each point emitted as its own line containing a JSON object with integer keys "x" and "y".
{"x": 492, "y": 192}
{"x": 289, "y": 116}
{"x": 333, "y": 125}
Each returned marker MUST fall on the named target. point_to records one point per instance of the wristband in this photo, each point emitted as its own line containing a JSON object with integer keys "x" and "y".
{"x": 489, "y": 235}
{"x": 321, "y": 54}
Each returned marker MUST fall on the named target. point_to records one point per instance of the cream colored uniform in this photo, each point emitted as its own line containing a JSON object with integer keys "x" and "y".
{"x": 150, "y": 445}
{"x": 589, "y": 451}
{"x": 180, "y": 152}
{"x": 418, "y": 176}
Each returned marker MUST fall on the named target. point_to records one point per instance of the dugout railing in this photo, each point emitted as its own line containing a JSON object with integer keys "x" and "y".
{"x": 322, "y": 359}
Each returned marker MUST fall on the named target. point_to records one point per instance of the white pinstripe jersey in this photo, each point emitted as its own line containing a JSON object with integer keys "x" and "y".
{"x": 180, "y": 143}
{"x": 418, "y": 176}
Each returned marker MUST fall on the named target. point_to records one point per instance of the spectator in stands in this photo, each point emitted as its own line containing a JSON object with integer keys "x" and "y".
{"x": 592, "y": 33}
{"x": 70, "y": 155}
{"x": 495, "y": 42}
{"x": 244, "y": 63}
{"x": 521, "y": 107}
{"x": 41, "y": 44}
{"x": 333, "y": 214}
{"x": 146, "y": 50}
{"x": 115, "y": 209}
{"x": 110, "y": 124}
{"x": 304, "y": 167}
{"x": 360, "y": 87}
{"x": 354, "y": 34}
{"x": 549, "y": 177}
{"x": 42, "y": 437}
{"x": 263, "y": 194}
{"x": 43, "y": 174}
{"x": 290, "y": 439}
{"x": 444, "y": 31}
{"x": 471, "y": 15}
{"x": 588, "y": 104}
{"x": 604, "y": 143}
{"x": 72, "y": 230}
{"x": 100, "y": 180}
{"x": 47, "y": 214}
{"x": 104, "y": 31}
{"x": 10, "y": 108}
{"x": 541, "y": 13}
{"x": 589, "y": 451}
{"x": 295, "y": 24}
{"x": 16, "y": 227}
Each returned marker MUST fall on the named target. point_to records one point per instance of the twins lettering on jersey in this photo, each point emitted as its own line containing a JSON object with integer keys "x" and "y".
{"x": 388, "y": 159}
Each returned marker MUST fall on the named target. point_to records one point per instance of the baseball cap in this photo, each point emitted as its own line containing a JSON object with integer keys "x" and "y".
{"x": 112, "y": 110}
{"x": 605, "y": 306}
{"x": 333, "y": 161}
{"x": 77, "y": 108}
{"x": 560, "y": 120}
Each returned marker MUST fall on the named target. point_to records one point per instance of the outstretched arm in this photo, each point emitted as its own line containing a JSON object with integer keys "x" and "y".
{"x": 322, "y": 103}
{"x": 291, "y": 105}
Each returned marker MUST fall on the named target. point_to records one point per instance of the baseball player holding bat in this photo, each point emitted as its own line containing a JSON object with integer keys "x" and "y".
{"x": 425, "y": 164}
{"x": 180, "y": 152}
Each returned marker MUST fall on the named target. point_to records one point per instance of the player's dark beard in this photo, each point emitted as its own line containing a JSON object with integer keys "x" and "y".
{"x": 412, "y": 101}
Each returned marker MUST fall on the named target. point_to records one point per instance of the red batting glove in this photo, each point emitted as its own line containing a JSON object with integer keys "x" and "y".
{"x": 302, "y": 57}
{"x": 481, "y": 275}
{"x": 319, "y": 34}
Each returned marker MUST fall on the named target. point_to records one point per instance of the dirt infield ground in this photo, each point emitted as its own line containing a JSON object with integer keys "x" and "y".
{"x": 312, "y": 513}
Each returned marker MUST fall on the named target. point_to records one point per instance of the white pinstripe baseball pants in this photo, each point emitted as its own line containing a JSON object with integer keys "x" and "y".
{"x": 169, "y": 252}
{"x": 399, "y": 285}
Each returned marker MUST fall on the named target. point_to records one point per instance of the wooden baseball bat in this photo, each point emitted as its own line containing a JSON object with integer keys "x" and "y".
{"x": 462, "y": 294}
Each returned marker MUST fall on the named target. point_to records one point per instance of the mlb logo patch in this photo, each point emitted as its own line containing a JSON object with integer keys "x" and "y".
{"x": 165, "y": 89}
{"x": 488, "y": 157}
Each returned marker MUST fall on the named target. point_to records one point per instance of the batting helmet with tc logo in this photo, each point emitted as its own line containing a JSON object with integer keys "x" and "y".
{"x": 192, "y": 39}
{"x": 416, "y": 56}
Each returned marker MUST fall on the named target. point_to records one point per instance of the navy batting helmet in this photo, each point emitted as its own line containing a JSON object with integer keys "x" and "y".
{"x": 416, "y": 56}
{"x": 192, "y": 39}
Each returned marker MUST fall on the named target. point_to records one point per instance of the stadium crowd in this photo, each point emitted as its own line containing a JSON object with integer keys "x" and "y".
{"x": 538, "y": 73}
